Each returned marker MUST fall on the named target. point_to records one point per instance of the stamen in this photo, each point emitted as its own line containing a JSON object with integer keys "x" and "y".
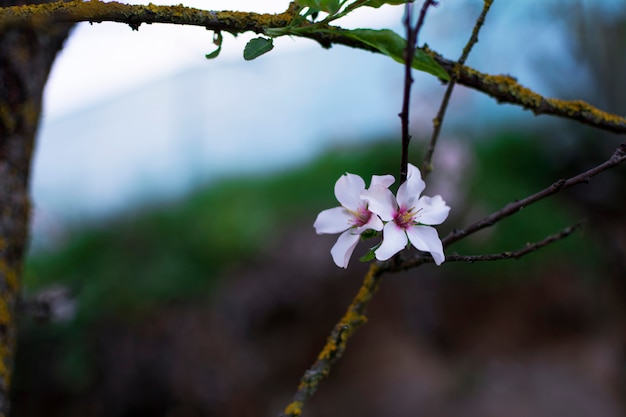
{"x": 361, "y": 216}
{"x": 405, "y": 218}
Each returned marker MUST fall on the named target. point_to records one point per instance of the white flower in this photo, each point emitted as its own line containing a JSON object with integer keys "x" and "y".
{"x": 353, "y": 217}
{"x": 408, "y": 217}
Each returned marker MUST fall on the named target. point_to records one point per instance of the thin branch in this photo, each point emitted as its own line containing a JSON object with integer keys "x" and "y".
{"x": 424, "y": 258}
{"x": 412, "y": 33}
{"x": 438, "y": 120}
{"x": 530, "y": 247}
{"x": 336, "y": 342}
{"x": 409, "y": 53}
{"x": 503, "y": 88}
{"x": 617, "y": 158}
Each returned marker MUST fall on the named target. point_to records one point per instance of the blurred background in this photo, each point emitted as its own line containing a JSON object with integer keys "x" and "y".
{"x": 174, "y": 269}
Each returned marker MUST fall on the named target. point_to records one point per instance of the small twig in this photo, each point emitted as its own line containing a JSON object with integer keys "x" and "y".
{"x": 617, "y": 158}
{"x": 424, "y": 258}
{"x": 412, "y": 33}
{"x": 336, "y": 342}
{"x": 438, "y": 120}
{"x": 530, "y": 247}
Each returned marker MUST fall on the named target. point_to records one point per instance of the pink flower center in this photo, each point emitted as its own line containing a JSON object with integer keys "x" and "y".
{"x": 361, "y": 216}
{"x": 405, "y": 218}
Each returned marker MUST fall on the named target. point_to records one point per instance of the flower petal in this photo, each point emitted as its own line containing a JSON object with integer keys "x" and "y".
{"x": 410, "y": 190}
{"x": 347, "y": 190}
{"x": 383, "y": 180}
{"x": 342, "y": 250}
{"x": 394, "y": 240}
{"x": 432, "y": 210}
{"x": 380, "y": 201}
{"x": 425, "y": 238}
{"x": 334, "y": 220}
{"x": 374, "y": 223}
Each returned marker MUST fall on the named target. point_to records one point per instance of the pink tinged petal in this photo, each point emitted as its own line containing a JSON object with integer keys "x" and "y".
{"x": 374, "y": 223}
{"x": 431, "y": 210}
{"x": 347, "y": 190}
{"x": 382, "y": 180}
{"x": 394, "y": 240}
{"x": 410, "y": 190}
{"x": 334, "y": 220}
{"x": 425, "y": 238}
{"x": 342, "y": 250}
{"x": 380, "y": 201}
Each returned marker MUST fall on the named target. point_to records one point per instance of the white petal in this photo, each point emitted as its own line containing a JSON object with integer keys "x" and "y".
{"x": 334, "y": 220}
{"x": 425, "y": 238}
{"x": 342, "y": 250}
{"x": 394, "y": 240}
{"x": 432, "y": 210}
{"x": 374, "y": 223}
{"x": 347, "y": 190}
{"x": 410, "y": 190}
{"x": 380, "y": 201}
{"x": 384, "y": 180}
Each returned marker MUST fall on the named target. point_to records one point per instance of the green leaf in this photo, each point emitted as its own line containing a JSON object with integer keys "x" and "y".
{"x": 217, "y": 40}
{"x": 378, "y": 3}
{"x": 368, "y": 234}
{"x": 391, "y": 44}
{"x": 369, "y": 256}
{"x": 328, "y": 6}
{"x": 214, "y": 54}
{"x": 257, "y": 47}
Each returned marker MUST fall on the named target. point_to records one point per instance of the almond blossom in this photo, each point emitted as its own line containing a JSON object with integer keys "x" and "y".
{"x": 353, "y": 217}
{"x": 408, "y": 217}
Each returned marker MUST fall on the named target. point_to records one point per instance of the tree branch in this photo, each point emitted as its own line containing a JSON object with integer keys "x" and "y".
{"x": 412, "y": 32}
{"x": 438, "y": 120}
{"x": 336, "y": 342}
{"x": 424, "y": 258}
{"x": 135, "y": 15}
{"x": 26, "y": 55}
{"x": 617, "y": 158}
{"x": 530, "y": 247}
{"x": 505, "y": 89}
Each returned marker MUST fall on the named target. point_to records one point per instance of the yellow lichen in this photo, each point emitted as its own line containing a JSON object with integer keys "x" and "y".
{"x": 10, "y": 276}
{"x": 7, "y": 117}
{"x": 329, "y": 348}
{"x": 294, "y": 409}
{"x": 135, "y": 15}
{"x": 506, "y": 88}
{"x": 5, "y": 316}
{"x": 5, "y": 358}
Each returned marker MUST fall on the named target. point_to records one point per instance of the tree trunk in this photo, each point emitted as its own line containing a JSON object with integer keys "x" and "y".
{"x": 26, "y": 56}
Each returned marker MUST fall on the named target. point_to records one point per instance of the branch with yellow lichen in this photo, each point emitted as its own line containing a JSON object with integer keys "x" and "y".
{"x": 504, "y": 89}
{"x": 336, "y": 342}
{"x": 135, "y": 15}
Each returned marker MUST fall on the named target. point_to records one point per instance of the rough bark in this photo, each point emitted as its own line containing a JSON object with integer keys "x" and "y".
{"x": 26, "y": 56}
